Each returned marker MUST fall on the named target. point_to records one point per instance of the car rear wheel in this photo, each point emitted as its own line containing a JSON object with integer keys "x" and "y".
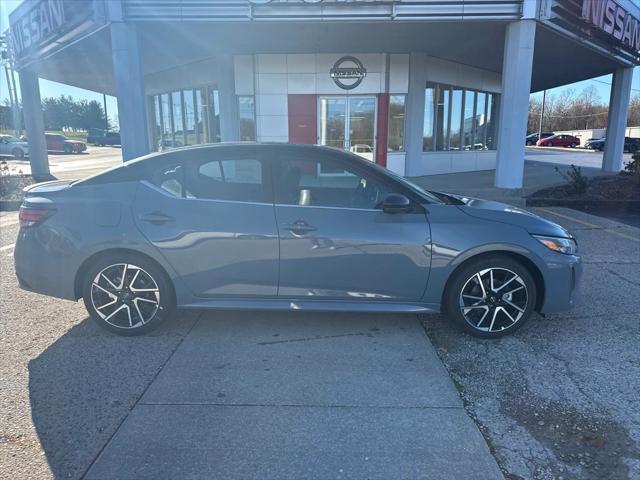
{"x": 127, "y": 294}
{"x": 529, "y": 143}
{"x": 573, "y": 145}
{"x": 17, "y": 153}
{"x": 491, "y": 297}
{"x": 549, "y": 144}
{"x": 67, "y": 149}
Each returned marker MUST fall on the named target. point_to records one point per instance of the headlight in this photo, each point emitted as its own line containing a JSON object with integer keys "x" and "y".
{"x": 558, "y": 244}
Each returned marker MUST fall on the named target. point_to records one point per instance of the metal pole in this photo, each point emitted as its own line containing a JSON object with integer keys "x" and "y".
{"x": 106, "y": 117}
{"x": 17, "y": 123}
{"x": 544, "y": 99}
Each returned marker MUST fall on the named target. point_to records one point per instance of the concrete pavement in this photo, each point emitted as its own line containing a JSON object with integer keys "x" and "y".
{"x": 299, "y": 395}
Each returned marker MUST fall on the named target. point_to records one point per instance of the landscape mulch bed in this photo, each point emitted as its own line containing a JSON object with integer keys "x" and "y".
{"x": 616, "y": 191}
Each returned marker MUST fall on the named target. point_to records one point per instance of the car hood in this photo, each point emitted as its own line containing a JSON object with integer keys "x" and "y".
{"x": 501, "y": 212}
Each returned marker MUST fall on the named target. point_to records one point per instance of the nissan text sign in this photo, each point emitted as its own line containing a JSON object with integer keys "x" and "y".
{"x": 612, "y": 19}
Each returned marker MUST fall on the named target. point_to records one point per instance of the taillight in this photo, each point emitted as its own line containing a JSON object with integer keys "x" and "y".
{"x": 30, "y": 217}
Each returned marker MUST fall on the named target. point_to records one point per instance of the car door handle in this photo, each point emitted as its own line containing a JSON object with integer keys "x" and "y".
{"x": 299, "y": 227}
{"x": 156, "y": 218}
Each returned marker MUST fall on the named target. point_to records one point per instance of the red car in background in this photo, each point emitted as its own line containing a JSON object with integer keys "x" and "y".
{"x": 60, "y": 143}
{"x": 560, "y": 140}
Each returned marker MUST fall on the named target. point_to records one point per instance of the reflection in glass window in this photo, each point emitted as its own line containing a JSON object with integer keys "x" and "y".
{"x": 429, "y": 104}
{"x": 233, "y": 180}
{"x": 396, "y": 123}
{"x": 442, "y": 117}
{"x": 157, "y": 130}
{"x": 333, "y": 112}
{"x": 178, "y": 128}
{"x": 468, "y": 120}
{"x": 458, "y": 119}
{"x": 481, "y": 121}
{"x": 167, "y": 125}
{"x": 455, "y": 128}
{"x": 492, "y": 107}
{"x": 186, "y": 117}
{"x": 189, "y": 118}
{"x": 247, "y": 114}
{"x": 302, "y": 182}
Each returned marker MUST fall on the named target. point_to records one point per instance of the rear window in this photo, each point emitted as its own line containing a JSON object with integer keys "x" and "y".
{"x": 239, "y": 179}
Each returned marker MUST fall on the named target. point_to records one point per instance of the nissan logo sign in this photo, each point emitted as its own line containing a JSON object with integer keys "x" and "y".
{"x": 348, "y": 72}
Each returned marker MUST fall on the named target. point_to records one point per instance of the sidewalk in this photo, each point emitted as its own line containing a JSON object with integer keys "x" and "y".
{"x": 289, "y": 395}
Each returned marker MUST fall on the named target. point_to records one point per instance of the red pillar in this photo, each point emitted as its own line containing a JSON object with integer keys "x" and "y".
{"x": 303, "y": 118}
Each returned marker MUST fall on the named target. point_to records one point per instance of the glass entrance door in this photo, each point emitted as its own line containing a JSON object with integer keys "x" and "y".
{"x": 348, "y": 123}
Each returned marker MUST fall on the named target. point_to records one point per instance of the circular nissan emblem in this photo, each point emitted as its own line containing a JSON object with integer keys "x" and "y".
{"x": 348, "y": 72}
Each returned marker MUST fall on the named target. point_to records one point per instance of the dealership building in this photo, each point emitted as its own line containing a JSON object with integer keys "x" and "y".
{"x": 419, "y": 86}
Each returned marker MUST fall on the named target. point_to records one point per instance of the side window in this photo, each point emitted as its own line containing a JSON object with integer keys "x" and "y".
{"x": 328, "y": 182}
{"x": 239, "y": 180}
{"x": 169, "y": 178}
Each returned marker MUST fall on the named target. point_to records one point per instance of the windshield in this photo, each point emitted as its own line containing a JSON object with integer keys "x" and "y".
{"x": 10, "y": 139}
{"x": 430, "y": 196}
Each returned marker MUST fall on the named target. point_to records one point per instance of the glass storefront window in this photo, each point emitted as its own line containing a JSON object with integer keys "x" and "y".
{"x": 481, "y": 121}
{"x": 442, "y": 117}
{"x": 427, "y": 132}
{"x": 189, "y": 118}
{"x": 186, "y": 117}
{"x": 167, "y": 127}
{"x": 396, "y": 123}
{"x": 178, "y": 127}
{"x": 492, "y": 106}
{"x": 247, "y": 116}
{"x": 458, "y": 119}
{"x": 468, "y": 120}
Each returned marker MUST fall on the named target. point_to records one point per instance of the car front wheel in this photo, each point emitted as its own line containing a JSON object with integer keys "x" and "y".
{"x": 127, "y": 295}
{"x": 17, "y": 153}
{"x": 491, "y": 297}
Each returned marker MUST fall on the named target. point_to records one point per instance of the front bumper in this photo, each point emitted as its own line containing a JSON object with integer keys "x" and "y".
{"x": 562, "y": 282}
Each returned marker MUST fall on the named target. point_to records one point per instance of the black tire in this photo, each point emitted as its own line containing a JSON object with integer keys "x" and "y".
{"x": 140, "y": 316}
{"x": 67, "y": 149}
{"x": 17, "y": 153}
{"x": 529, "y": 143}
{"x": 502, "y": 324}
{"x": 550, "y": 144}
{"x": 573, "y": 145}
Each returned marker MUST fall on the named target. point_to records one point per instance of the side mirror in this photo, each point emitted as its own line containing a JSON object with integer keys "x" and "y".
{"x": 396, "y": 203}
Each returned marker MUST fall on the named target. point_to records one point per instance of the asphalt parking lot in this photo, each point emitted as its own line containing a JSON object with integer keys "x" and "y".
{"x": 560, "y": 398}
{"x": 326, "y": 396}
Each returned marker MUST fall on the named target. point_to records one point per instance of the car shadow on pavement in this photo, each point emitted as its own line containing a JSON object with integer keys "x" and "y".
{"x": 85, "y": 383}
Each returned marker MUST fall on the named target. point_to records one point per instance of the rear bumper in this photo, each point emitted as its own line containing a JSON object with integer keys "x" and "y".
{"x": 562, "y": 283}
{"x": 42, "y": 265}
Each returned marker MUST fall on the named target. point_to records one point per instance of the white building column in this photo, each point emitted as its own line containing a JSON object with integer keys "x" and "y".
{"x": 517, "y": 64}
{"x": 617, "y": 121}
{"x": 414, "y": 121}
{"x": 34, "y": 123}
{"x": 229, "y": 122}
{"x": 132, "y": 107}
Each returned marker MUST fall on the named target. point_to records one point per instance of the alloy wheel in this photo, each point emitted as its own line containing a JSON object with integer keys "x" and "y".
{"x": 493, "y": 300}
{"x": 125, "y": 296}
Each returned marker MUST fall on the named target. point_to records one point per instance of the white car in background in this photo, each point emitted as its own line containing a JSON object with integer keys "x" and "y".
{"x": 12, "y": 147}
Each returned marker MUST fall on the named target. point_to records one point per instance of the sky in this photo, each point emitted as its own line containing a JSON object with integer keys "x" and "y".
{"x": 53, "y": 89}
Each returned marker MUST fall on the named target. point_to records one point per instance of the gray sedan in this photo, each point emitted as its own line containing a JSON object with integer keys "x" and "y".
{"x": 286, "y": 227}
